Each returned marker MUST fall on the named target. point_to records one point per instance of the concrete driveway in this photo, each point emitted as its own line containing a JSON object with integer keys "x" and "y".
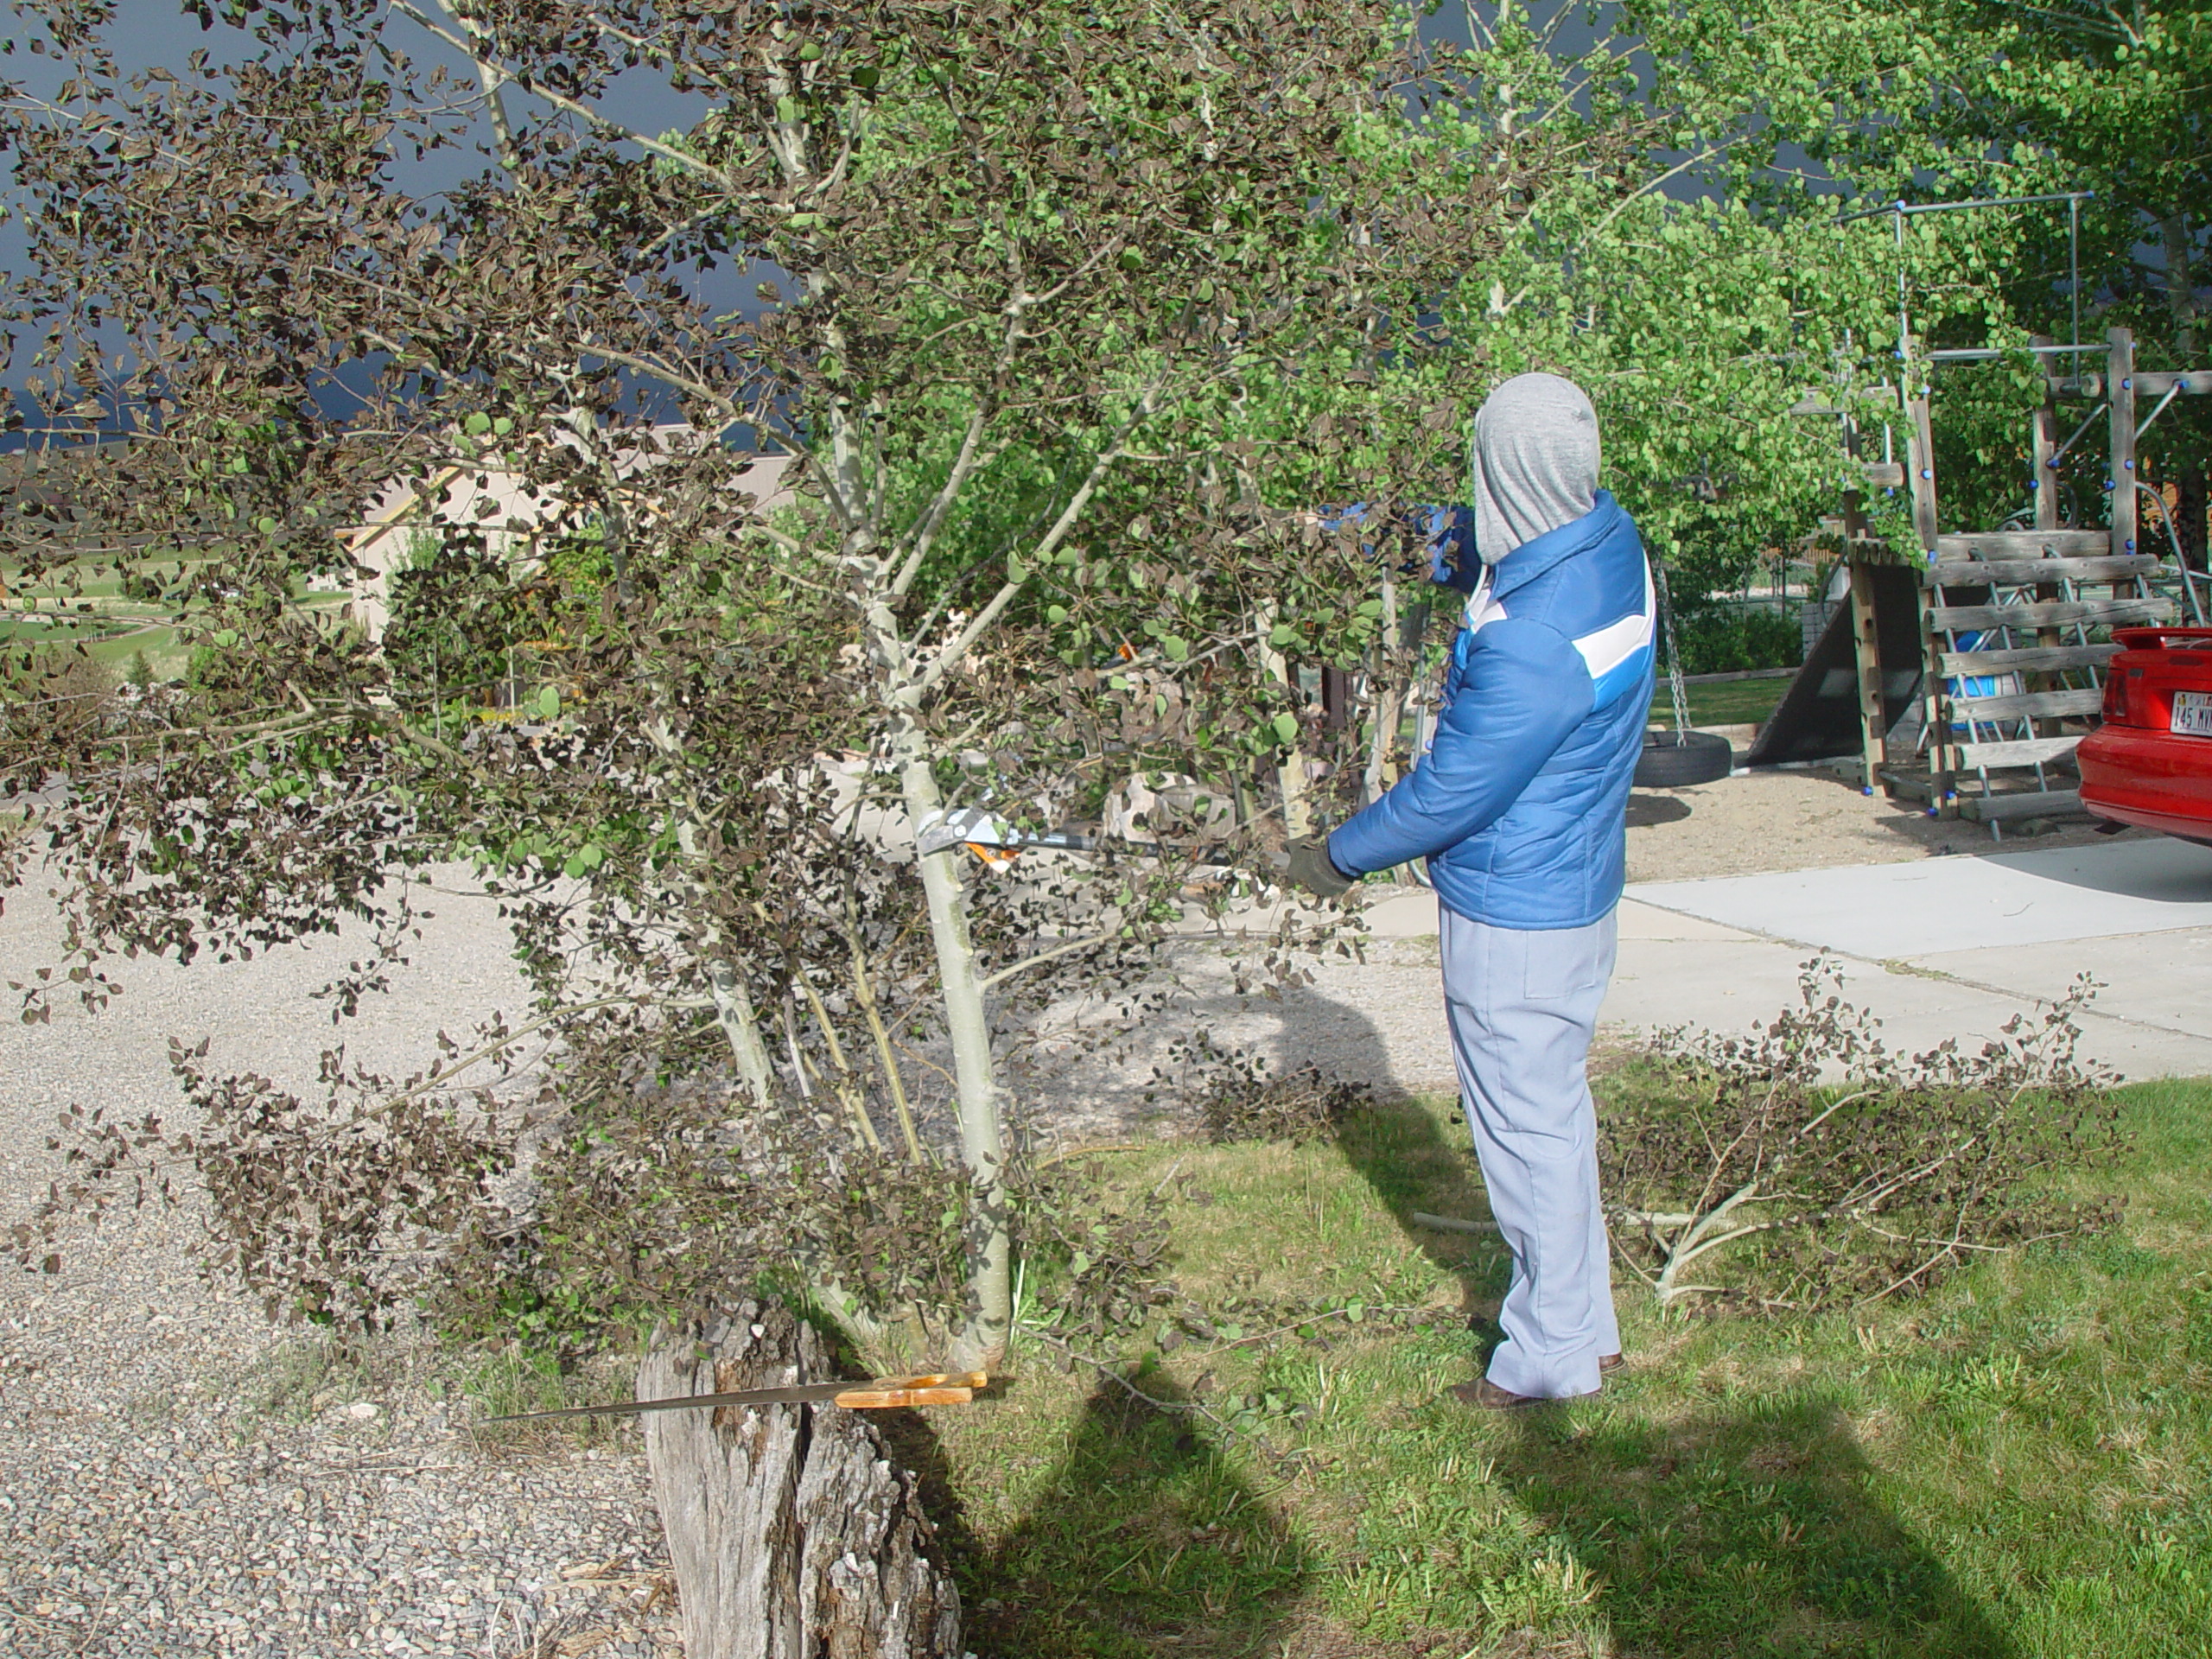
{"x": 1939, "y": 947}
{"x": 1946, "y": 946}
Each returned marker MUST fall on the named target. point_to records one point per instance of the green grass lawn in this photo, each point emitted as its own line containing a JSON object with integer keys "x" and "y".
{"x": 1723, "y": 702}
{"x": 2019, "y": 1464}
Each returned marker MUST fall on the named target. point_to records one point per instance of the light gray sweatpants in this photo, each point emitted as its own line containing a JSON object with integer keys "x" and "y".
{"x": 1522, "y": 1007}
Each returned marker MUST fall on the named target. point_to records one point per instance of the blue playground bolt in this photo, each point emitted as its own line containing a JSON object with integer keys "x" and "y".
{"x": 1931, "y": 813}
{"x": 2035, "y": 483}
{"x": 2107, "y": 483}
{"x": 2130, "y": 543}
{"x": 2129, "y": 464}
{"x": 1867, "y": 789}
{"x": 2128, "y": 383}
{"x": 1924, "y": 473}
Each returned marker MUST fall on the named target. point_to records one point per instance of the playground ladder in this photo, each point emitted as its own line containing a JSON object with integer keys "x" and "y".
{"x": 2016, "y": 623}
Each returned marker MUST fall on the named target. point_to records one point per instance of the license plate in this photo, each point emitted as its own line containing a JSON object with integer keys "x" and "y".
{"x": 2193, "y": 713}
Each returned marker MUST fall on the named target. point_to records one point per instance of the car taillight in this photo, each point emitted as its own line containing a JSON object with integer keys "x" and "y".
{"x": 2116, "y": 696}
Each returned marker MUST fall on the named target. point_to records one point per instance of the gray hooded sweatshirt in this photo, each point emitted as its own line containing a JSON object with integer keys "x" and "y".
{"x": 1533, "y": 461}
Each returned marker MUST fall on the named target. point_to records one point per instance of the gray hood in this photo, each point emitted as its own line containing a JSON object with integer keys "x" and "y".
{"x": 1533, "y": 461}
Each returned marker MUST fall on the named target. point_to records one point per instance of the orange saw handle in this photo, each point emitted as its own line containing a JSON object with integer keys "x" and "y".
{"x": 884, "y": 1399}
{"x": 937, "y": 1389}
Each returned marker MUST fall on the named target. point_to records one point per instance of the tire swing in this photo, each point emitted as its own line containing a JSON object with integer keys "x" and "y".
{"x": 1678, "y": 759}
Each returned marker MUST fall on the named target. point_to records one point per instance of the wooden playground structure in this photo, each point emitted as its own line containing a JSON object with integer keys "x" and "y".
{"x": 1996, "y": 639}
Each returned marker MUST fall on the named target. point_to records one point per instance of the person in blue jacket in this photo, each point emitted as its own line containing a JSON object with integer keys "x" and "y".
{"x": 1520, "y": 807}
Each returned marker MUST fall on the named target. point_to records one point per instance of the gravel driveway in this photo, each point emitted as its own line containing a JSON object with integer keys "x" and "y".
{"x": 177, "y": 1477}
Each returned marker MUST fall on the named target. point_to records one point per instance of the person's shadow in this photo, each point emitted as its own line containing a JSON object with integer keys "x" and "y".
{"x": 1141, "y": 1540}
{"x": 1744, "y": 1532}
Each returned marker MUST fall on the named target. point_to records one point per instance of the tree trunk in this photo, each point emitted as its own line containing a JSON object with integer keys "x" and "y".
{"x": 1290, "y": 776}
{"x": 982, "y": 1343}
{"x": 791, "y": 1533}
{"x": 2189, "y": 514}
{"x": 2181, "y": 282}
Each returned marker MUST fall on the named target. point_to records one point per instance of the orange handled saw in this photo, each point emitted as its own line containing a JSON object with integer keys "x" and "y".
{"x": 935, "y": 1388}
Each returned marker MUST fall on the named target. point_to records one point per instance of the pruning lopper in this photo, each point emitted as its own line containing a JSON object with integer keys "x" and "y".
{"x": 935, "y": 1388}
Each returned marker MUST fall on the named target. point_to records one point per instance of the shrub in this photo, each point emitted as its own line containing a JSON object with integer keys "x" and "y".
{"x": 1718, "y": 638}
{"x": 52, "y": 696}
{"x": 1235, "y": 1096}
{"x": 573, "y": 1222}
{"x": 1804, "y": 1164}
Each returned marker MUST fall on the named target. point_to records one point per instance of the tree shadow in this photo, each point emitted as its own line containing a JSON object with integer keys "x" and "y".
{"x": 1746, "y": 1533}
{"x": 1143, "y": 1541}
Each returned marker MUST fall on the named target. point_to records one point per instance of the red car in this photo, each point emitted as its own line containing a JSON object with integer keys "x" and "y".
{"x": 2151, "y": 762}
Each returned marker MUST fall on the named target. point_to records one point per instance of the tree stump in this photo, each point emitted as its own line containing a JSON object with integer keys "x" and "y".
{"x": 791, "y": 1533}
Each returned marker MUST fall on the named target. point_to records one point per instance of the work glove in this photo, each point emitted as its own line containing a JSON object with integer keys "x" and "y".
{"x": 1311, "y": 868}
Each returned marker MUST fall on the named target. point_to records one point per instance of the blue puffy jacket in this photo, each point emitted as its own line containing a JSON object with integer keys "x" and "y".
{"x": 1521, "y": 806}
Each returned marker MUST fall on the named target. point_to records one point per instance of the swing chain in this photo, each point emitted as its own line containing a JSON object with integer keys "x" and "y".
{"x": 1674, "y": 686}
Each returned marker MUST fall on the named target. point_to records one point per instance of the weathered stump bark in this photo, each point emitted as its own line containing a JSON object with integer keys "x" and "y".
{"x": 791, "y": 1533}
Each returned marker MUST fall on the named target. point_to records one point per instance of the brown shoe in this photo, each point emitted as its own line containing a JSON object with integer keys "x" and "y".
{"x": 1485, "y": 1396}
{"x": 1608, "y": 1364}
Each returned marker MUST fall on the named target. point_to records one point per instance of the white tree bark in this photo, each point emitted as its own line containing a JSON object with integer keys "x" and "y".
{"x": 1290, "y": 776}
{"x": 982, "y": 1344}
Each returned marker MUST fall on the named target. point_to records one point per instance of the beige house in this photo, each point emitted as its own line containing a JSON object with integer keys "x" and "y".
{"x": 460, "y": 496}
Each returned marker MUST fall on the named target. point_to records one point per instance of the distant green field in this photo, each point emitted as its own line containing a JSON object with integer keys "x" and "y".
{"x": 112, "y": 640}
{"x": 114, "y": 629}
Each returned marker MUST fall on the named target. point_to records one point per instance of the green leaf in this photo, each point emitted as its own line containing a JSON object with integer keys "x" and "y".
{"x": 1285, "y": 727}
{"x": 477, "y": 424}
{"x": 1080, "y": 1265}
{"x": 549, "y": 701}
{"x": 1177, "y": 647}
{"x": 1056, "y": 614}
{"x": 1282, "y": 634}
{"x": 787, "y": 110}
{"x": 266, "y": 525}
{"x": 502, "y": 426}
